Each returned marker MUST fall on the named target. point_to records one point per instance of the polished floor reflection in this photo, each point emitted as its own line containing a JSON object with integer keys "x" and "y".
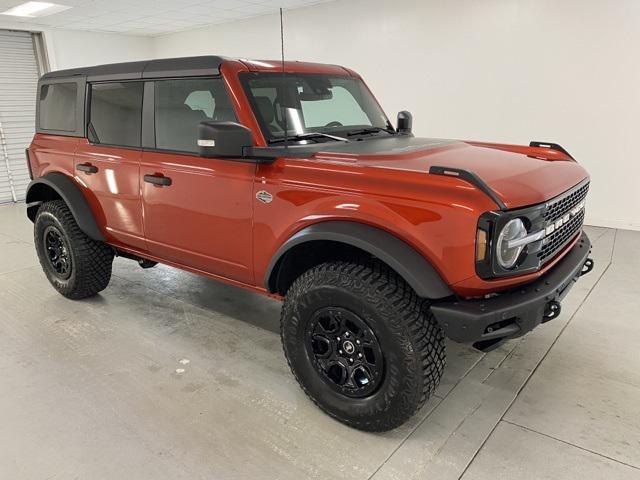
{"x": 167, "y": 375}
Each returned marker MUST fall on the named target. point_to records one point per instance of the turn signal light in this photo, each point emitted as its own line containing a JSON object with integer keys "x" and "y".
{"x": 481, "y": 245}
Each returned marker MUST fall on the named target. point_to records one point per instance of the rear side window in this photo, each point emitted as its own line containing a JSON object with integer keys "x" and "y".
{"x": 58, "y": 106}
{"x": 116, "y": 113}
{"x": 180, "y": 105}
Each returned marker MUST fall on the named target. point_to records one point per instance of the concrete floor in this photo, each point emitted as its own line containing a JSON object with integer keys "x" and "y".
{"x": 166, "y": 375}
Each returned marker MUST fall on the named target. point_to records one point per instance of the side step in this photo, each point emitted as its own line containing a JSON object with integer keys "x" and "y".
{"x": 143, "y": 262}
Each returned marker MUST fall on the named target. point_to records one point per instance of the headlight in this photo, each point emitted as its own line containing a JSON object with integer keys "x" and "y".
{"x": 507, "y": 255}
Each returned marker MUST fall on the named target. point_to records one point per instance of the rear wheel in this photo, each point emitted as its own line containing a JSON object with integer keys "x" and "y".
{"x": 76, "y": 266}
{"x": 361, "y": 344}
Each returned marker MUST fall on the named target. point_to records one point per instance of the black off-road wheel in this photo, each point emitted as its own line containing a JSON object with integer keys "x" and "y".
{"x": 77, "y": 266}
{"x": 361, "y": 344}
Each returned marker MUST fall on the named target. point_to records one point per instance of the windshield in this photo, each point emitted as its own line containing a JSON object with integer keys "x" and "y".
{"x": 313, "y": 103}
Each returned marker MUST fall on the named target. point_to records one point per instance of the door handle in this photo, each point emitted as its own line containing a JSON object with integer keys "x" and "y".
{"x": 158, "y": 180}
{"x": 87, "y": 168}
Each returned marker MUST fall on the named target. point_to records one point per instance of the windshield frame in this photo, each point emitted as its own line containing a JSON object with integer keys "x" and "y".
{"x": 339, "y": 131}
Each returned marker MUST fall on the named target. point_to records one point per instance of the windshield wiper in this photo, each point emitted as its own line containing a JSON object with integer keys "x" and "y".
{"x": 368, "y": 130}
{"x": 309, "y": 136}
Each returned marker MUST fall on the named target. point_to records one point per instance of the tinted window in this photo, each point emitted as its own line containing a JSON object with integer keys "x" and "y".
{"x": 339, "y": 107}
{"x": 116, "y": 113}
{"x": 182, "y": 104}
{"x": 312, "y": 103}
{"x": 58, "y": 106}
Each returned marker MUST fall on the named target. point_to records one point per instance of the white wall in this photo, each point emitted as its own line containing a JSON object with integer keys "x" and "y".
{"x": 498, "y": 70}
{"x": 74, "y": 48}
{"x": 501, "y": 70}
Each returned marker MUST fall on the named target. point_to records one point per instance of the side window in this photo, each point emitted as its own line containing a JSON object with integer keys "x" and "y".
{"x": 57, "y": 106}
{"x": 201, "y": 100}
{"x": 265, "y": 99}
{"x": 116, "y": 113}
{"x": 180, "y": 105}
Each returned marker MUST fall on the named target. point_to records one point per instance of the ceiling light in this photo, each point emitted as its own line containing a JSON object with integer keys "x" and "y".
{"x": 35, "y": 9}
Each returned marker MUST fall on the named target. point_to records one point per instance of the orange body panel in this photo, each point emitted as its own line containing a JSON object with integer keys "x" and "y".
{"x": 210, "y": 222}
{"x": 115, "y": 190}
{"x": 205, "y": 219}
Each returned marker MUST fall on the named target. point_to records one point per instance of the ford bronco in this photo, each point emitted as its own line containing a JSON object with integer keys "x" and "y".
{"x": 288, "y": 179}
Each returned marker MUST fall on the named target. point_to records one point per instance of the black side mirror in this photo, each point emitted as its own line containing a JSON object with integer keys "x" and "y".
{"x": 405, "y": 122}
{"x": 223, "y": 139}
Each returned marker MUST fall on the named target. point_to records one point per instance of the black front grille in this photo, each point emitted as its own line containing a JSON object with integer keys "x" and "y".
{"x": 558, "y": 239}
{"x": 557, "y": 208}
{"x": 560, "y": 219}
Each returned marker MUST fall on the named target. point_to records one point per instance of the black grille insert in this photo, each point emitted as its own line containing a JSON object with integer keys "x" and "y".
{"x": 557, "y": 208}
{"x": 558, "y": 239}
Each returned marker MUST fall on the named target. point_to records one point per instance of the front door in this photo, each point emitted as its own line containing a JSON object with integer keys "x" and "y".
{"x": 198, "y": 212}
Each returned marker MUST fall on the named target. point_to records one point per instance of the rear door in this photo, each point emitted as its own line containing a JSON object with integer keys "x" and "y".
{"x": 197, "y": 211}
{"x": 107, "y": 164}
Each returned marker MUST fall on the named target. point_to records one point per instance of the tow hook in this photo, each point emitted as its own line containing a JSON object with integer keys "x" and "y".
{"x": 551, "y": 311}
{"x": 587, "y": 267}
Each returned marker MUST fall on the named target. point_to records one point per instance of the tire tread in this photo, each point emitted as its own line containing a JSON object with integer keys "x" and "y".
{"x": 414, "y": 321}
{"x": 92, "y": 259}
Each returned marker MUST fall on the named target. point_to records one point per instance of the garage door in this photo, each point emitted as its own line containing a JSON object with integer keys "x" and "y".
{"x": 18, "y": 82}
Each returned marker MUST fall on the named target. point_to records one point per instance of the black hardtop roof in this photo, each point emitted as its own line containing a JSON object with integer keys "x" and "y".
{"x": 165, "y": 67}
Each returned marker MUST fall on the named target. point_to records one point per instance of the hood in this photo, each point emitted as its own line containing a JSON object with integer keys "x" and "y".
{"x": 518, "y": 175}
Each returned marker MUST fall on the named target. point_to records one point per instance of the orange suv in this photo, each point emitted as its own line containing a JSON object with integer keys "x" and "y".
{"x": 289, "y": 180}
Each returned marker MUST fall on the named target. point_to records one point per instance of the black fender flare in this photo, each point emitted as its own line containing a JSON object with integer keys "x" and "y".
{"x": 66, "y": 188}
{"x": 413, "y": 267}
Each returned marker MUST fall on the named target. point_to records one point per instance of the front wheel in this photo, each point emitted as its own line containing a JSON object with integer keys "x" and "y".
{"x": 76, "y": 266}
{"x": 361, "y": 344}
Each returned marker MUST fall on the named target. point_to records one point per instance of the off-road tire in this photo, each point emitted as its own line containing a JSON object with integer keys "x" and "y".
{"x": 411, "y": 341}
{"x": 90, "y": 260}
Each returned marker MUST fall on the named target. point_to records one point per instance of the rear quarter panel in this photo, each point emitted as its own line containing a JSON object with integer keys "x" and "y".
{"x": 52, "y": 153}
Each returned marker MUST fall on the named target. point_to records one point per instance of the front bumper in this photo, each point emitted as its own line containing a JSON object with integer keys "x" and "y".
{"x": 489, "y": 321}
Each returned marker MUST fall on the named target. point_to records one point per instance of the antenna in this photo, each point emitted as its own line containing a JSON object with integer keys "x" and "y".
{"x": 284, "y": 91}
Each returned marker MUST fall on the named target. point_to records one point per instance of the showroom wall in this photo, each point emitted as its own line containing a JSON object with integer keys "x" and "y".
{"x": 69, "y": 48}
{"x": 75, "y": 48}
{"x": 499, "y": 70}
